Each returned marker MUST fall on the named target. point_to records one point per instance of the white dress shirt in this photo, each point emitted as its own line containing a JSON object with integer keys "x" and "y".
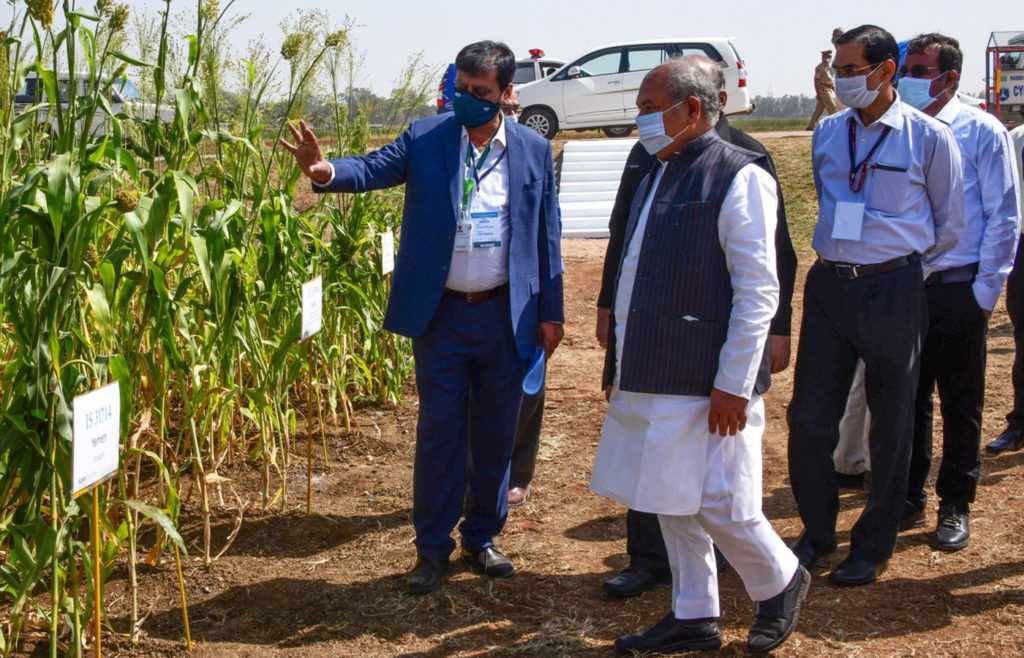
{"x": 1017, "y": 135}
{"x": 746, "y": 226}
{"x": 483, "y": 268}
{"x": 913, "y": 193}
{"x": 653, "y": 453}
{"x": 991, "y": 200}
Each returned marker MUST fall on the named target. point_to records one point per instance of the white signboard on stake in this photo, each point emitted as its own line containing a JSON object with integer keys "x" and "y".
{"x": 97, "y": 437}
{"x": 387, "y": 252}
{"x": 312, "y": 307}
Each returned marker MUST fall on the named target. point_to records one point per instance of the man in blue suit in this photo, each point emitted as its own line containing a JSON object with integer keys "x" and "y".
{"x": 477, "y": 286}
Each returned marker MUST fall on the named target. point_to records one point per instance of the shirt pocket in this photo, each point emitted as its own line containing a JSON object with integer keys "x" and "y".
{"x": 888, "y": 188}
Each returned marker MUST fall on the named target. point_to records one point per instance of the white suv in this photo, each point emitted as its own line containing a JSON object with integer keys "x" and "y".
{"x": 599, "y": 89}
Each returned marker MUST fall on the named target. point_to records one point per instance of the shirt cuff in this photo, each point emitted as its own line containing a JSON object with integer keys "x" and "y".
{"x": 329, "y": 180}
{"x": 985, "y": 295}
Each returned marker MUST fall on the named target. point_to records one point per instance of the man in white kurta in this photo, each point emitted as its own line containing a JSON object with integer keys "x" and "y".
{"x": 658, "y": 452}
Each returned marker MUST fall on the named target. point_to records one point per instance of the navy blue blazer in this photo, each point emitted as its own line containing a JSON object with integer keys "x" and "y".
{"x": 426, "y": 157}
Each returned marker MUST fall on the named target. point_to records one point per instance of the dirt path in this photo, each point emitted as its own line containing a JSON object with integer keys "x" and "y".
{"x": 332, "y": 585}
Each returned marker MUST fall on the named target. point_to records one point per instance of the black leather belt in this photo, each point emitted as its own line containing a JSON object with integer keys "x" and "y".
{"x": 961, "y": 274}
{"x": 476, "y": 297}
{"x": 854, "y": 271}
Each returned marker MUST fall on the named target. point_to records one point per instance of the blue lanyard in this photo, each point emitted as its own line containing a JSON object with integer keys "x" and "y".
{"x": 859, "y": 172}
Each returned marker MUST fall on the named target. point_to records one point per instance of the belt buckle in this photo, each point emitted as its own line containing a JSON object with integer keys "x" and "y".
{"x": 846, "y": 271}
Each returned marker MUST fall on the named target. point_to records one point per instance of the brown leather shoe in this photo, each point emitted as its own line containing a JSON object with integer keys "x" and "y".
{"x": 517, "y": 496}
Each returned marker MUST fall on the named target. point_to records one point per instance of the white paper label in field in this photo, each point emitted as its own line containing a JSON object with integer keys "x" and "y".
{"x": 97, "y": 436}
{"x": 312, "y": 307}
{"x": 387, "y": 252}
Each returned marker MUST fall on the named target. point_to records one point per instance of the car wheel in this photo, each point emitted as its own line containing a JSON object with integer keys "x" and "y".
{"x": 618, "y": 131}
{"x": 541, "y": 121}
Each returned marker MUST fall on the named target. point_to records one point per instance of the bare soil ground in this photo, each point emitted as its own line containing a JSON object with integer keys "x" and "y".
{"x": 332, "y": 584}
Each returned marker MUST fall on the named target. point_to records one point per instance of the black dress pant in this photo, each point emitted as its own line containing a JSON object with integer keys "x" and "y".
{"x": 645, "y": 544}
{"x": 953, "y": 359}
{"x": 881, "y": 319}
{"x": 527, "y": 445}
{"x": 1015, "y": 308}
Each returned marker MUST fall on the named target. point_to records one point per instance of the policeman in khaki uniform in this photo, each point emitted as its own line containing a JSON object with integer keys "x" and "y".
{"x": 824, "y": 89}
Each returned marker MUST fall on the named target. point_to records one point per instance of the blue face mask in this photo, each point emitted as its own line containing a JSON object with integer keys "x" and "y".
{"x": 470, "y": 111}
{"x": 652, "y": 131}
{"x": 916, "y": 92}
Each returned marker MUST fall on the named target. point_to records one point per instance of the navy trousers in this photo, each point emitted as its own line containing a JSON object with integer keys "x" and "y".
{"x": 952, "y": 359}
{"x": 469, "y": 377}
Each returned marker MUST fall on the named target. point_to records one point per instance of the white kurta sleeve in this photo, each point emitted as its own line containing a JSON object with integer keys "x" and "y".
{"x": 746, "y": 231}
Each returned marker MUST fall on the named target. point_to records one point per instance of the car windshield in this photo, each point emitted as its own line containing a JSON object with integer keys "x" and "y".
{"x": 127, "y": 91}
{"x": 525, "y": 72}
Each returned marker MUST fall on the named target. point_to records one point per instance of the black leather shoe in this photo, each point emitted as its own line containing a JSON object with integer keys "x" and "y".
{"x": 671, "y": 635}
{"x": 953, "y": 532}
{"x": 805, "y": 551}
{"x": 633, "y": 581}
{"x": 488, "y": 561}
{"x": 776, "y": 618}
{"x": 426, "y": 575}
{"x": 853, "y": 572}
{"x": 1011, "y": 439}
{"x": 913, "y": 516}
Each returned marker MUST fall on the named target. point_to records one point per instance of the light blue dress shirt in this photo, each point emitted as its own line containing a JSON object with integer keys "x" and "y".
{"x": 913, "y": 193}
{"x": 991, "y": 201}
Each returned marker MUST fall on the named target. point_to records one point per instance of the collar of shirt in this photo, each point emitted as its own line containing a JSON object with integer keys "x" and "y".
{"x": 949, "y": 113}
{"x": 892, "y": 117}
{"x": 497, "y": 140}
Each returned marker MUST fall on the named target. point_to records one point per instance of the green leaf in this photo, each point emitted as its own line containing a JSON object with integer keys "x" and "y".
{"x": 128, "y": 59}
{"x": 157, "y": 515}
{"x": 101, "y": 312}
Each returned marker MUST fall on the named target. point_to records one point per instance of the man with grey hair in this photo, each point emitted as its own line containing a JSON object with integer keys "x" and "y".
{"x": 686, "y": 364}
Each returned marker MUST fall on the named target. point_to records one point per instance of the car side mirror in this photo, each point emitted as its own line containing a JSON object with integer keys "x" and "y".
{"x": 574, "y": 72}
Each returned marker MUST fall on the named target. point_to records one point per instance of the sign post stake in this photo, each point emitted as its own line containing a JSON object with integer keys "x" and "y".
{"x": 97, "y": 594}
{"x": 312, "y": 322}
{"x": 184, "y": 601}
{"x": 309, "y": 432}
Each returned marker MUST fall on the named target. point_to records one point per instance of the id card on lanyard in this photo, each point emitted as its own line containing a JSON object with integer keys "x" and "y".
{"x": 477, "y": 230}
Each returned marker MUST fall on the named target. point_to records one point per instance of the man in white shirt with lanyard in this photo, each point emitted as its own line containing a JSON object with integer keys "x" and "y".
{"x": 477, "y": 286}
{"x": 890, "y": 195}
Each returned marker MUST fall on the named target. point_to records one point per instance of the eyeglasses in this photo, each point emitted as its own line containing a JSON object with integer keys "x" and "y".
{"x": 917, "y": 71}
{"x": 508, "y": 110}
{"x": 850, "y": 70}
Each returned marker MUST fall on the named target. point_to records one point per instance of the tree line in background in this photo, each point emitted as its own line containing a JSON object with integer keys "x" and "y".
{"x": 790, "y": 106}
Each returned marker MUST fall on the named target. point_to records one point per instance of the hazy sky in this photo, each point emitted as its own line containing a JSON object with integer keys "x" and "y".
{"x": 780, "y": 42}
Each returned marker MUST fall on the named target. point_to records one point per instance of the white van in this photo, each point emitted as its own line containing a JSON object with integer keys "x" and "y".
{"x": 599, "y": 89}
{"x": 123, "y": 98}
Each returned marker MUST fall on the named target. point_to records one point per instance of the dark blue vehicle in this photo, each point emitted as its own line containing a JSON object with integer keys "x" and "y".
{"x": 446, "y": 90}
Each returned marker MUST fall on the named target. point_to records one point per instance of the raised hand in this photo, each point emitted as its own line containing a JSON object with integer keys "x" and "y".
{"x": 307, "y": 153}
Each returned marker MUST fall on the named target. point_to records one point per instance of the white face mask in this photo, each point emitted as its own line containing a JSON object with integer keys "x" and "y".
{"x": 512, "y": 118}
{"x": 652, "y": 131}
{"x": 853, "y": 91}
